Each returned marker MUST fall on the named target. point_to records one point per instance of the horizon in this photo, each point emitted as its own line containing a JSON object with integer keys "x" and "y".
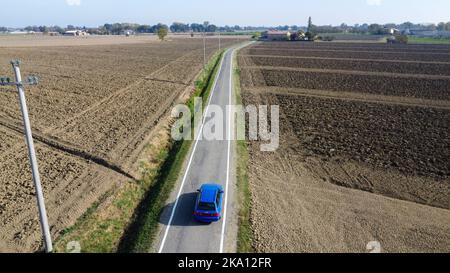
{"x": 94, "y": 13}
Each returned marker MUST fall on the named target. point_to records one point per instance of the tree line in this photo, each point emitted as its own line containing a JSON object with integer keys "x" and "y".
{"x": 380, "y": 29}
{"x": 120, "y": 28}
{"x": 178, "y": 27}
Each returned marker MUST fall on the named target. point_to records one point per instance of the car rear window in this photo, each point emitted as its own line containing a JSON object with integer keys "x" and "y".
{"x": 206, "y": 206}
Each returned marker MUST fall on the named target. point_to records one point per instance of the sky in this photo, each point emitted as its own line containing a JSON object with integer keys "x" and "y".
{"x": 21, "y": 13}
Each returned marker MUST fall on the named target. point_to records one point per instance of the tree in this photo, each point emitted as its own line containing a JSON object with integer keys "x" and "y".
{"x": 402, "y": 39}
{"x": 58, "y": 29}
{"x": 310, "y": 25}
{"x": 294, "y": 36}
{"x": 309, "y": 36}
{"x": 32, "y": 28}
{"x": 144, "y": 29}
{"x": 211, "y": 28}
{"x": 163, "y": 30}
{"x": 108, "y": 28}
{"x": 43, "y": 29}
{"x": 407, "y": 25}
{"x": 117, "y": 28}
{"x": 3, "y": 29}
{"x": 376, "y": 29}
{"x": 179, "y": 27}
{"x": 205, "y": 26}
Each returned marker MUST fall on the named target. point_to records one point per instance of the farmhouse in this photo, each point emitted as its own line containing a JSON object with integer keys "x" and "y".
{"x": 276, "y": 35}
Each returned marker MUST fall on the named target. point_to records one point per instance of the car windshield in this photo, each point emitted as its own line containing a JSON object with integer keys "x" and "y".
{"x": 206, "y": 206}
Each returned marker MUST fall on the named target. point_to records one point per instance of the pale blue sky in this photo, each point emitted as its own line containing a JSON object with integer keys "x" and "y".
{"x": 17, "y": 13}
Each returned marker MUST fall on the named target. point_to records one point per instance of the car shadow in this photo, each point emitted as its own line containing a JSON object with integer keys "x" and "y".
{"x": 184, "y": 213}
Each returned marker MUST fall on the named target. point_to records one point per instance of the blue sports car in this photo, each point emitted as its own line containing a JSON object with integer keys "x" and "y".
{"x": 208, "y": 207}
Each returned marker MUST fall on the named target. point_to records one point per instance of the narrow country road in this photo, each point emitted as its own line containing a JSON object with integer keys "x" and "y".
{"x": 209, "y": 162}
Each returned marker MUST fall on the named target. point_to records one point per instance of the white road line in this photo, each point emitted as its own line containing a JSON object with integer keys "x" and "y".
{"x": 191, "y": 158}
{"x": 222, "y": 238}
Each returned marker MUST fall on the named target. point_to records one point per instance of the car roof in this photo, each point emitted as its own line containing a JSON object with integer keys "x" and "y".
{"x": 209, "y": 193}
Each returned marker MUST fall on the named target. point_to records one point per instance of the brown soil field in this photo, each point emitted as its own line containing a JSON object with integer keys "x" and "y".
{"x": 14, "y": 41}
{"x": 92, "y": 114}
{"x": 410, "y": 140}
{"x": 353, "y": 54}
{"x": 359, "y": 65}
{"x": 363, "y": 156}
{"x": 395, "y": 85}
{"x": 355, "y": 47}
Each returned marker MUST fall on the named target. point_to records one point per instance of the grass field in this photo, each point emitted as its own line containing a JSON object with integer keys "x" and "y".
{"x": 436, "y": 41}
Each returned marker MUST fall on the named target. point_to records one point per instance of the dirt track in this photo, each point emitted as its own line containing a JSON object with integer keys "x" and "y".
{"x": 354, "y": 165}
{"x": 91, "y": 114}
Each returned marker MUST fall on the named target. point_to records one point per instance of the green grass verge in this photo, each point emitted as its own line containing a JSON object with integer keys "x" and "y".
{"x": 245, "y": 232}
{"x": 129, "y": 222}
{"x": 142, "y": 232}
{"x": 100, "y": 231}
{"x": 437, "y": 41}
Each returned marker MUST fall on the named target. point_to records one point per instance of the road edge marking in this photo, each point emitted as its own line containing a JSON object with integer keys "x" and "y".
{"x": 222, "y": 238}
{"x": 191, "y": 157}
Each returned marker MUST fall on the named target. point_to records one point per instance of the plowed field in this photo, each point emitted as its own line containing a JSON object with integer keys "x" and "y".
{"x": 95, "y": 107}
{"x": 364, "y": 149}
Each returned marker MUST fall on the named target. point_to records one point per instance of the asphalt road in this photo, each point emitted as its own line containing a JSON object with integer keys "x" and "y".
{"x": 209, "y": 162}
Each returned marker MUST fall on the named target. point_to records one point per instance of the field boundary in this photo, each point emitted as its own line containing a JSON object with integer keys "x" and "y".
{"x": 245, "y": 233}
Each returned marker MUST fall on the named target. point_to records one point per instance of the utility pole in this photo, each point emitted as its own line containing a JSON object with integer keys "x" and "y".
{"x": 205, "y": 27}
{"x": 204, "y": 49}
{"x": 220, "y": 45}
{"x": 31, "y": 80}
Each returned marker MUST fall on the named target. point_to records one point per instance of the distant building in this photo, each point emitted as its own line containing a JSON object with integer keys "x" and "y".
{"x": 429, "y": 33}
{"x": 406, "y": 32}
{"x": 392, "y": 31}
{"x": 19, "y": 32}
{"x": 276, "y": 35}
{"x": 75, "y": 33}
{"x": 128, "y": 32}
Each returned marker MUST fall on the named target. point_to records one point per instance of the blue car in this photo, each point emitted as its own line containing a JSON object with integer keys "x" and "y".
{"x": 208, "y": 206}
